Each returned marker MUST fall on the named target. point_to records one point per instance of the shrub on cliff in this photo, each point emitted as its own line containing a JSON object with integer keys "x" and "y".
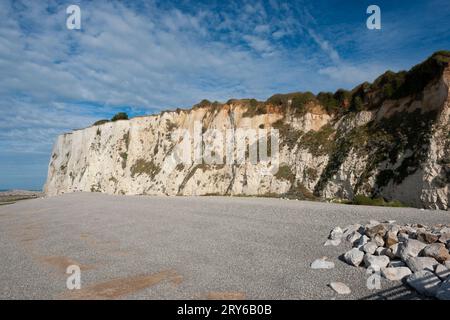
{"x": 420, "y": 75}
{"x": 278, "y": 100}
{"x": 120, "y": 116}
{"x": 397, "y": 85}
{"x": 328, "y": 100}
{"x": 389, "y": 83}
{"x": 357, "y": 104}
{"x": 202, "y": 104}
{"x": 254, "y": 107}
{"x": 99, "y": 122}
{"x": 299, "y": 100}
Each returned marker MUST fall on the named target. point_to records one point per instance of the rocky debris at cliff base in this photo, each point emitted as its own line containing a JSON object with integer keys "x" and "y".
{"x": 395, "y": 273}
{"x": 415, "y": 254}
{"x": 437, "y": 251}
{"x": 421, "y": 263}
{"x": 354, "y": 257}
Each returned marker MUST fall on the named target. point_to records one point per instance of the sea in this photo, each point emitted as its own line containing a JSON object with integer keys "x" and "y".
{"x": 33, "y": 190}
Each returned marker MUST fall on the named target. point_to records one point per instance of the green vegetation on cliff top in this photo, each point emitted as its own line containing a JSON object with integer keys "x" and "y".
{"x": 390, "y": 85}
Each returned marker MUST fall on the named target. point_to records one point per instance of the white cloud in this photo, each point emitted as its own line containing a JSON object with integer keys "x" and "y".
{"x": 350, "y": 74}
{"x": 325, "y": 46}
{"x": 259, "y": 44}
{"x": 53, "y": 79}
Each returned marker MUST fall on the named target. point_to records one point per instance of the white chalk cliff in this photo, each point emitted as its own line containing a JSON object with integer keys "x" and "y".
{"x": 388, "y": 139}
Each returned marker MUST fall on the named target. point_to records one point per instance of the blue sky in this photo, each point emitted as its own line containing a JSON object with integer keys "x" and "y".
{"x": 145, "y": 56}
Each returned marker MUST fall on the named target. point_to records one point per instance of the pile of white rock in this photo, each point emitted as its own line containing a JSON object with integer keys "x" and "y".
{"x": 413, "y": 253}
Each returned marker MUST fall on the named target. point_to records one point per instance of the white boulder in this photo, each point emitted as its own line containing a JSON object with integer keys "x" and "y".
{"x": 370, "y": 247}
{"x": 376, "y": 262}
{"x": 336, "y": 233}
{"x": 421, "y": 263}
{"x": 340, "y": 288}
{"x": 322, "y": 263}
{"x": 354, "y": 257}
{"x": 395, "y": 274}
{"x": 410, "y": 248}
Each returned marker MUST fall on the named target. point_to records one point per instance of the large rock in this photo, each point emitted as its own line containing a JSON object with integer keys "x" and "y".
{"x": 370, "y": 247}
{"x": 353, "y": 237}
{"x": 361, "y": 241}
{"x": 354, "y": 257}
{"x": 372, "y": 223}
{"x": 402, "y": 237}
{"x": 427, "y": 237}
{"x": 322, "y": 263}
{"x": 381, "y": 251}
{"x": 393, "y": 228}
{"x": 376, "y": 262}
{"x": 391, "y": 238}
{"x": 378, "y": 240}
{"x": 424, "y": 282}
{"x": 379, "y": 229}
{"x": 442, "y": 272}
{"x": 395, "y": 250}
{"x": 437, "y": 251}
{"x": 410, "y": 248}
{"x": 410, "y": 231}
{"x": 340, "y": 288}
{"x": 421, "y": 263}
{"x": 336, "y": 234}
{"x": 352, "y": 228}
{"x": 444, "y": 238}
{"x": 396, "y": 264}
{"x": 443, "y": 293}
{"x": 396, "y": 274}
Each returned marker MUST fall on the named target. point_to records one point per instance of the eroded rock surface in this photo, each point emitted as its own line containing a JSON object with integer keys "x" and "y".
{"x": 377, "y": 141}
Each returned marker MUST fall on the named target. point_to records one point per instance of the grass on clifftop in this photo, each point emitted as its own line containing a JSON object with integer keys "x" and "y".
{"x": 366, "y": 96}
{"x": 390, "y": 85}
{"x": 116, "y": 117}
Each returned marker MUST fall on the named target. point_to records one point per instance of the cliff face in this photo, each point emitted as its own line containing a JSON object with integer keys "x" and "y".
{"x": 387, "y": 139}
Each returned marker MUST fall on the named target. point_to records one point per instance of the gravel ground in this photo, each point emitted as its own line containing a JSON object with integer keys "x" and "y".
{"x": 136, "y": 247}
